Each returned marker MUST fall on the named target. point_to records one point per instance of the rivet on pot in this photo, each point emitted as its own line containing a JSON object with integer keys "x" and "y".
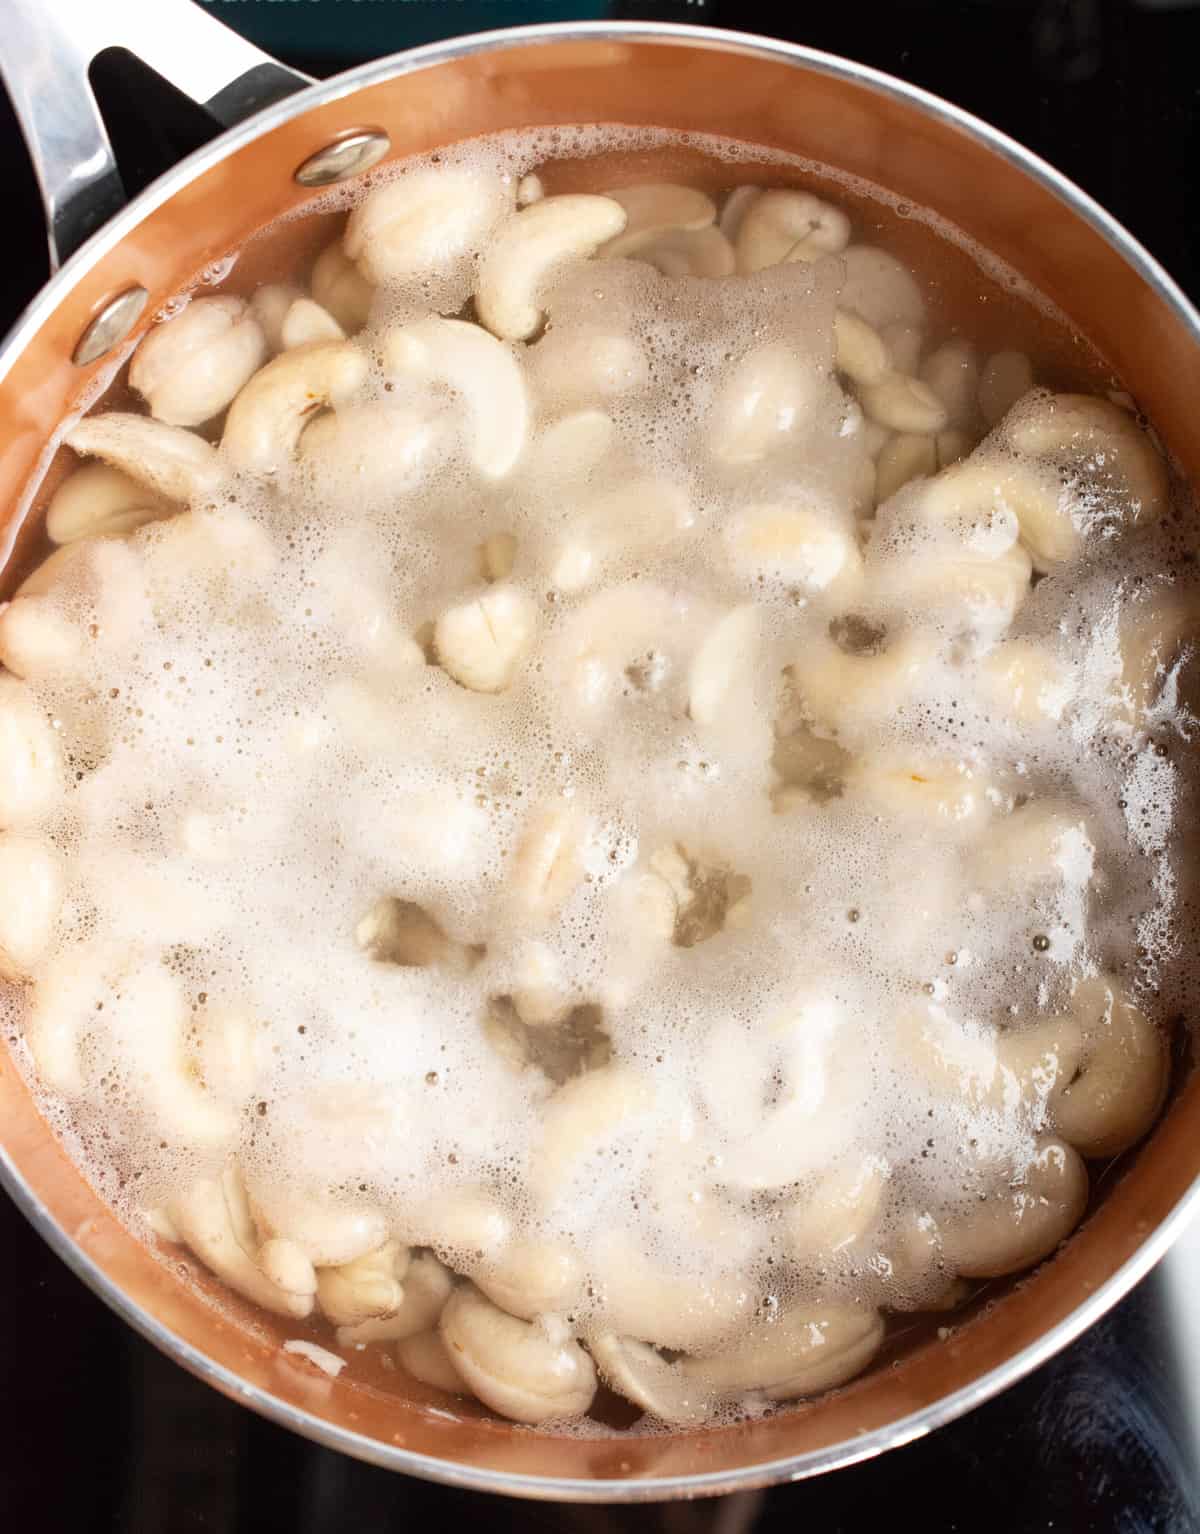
{"x": 110, "y": 326}
{"x": 346, "y": 156}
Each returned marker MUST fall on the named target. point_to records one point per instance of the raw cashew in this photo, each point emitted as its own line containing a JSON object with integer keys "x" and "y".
{"x": 1044, "y": 839}
{"x": 548, "y": 863}
{"x": 841, "y": 1207}
{"x": 880, "y": 289}
{"x": 904, "y": 343}
{"x": 725, "y": 663}
{"x": 1023, "y": 1220}
{"x": 689, "y": 253}
{"x": 530, "y": 189}
{"x": 986, "y": 589}
{"x": 483, "y": 642}
{"x": 366, "y": 1288}
{"x": 636, "y": 1371}
{"x": 1158, "y": 640}
{"x": 735, "y": 208}
{"x": 264, "y": 422}
{"x": 906, "y": 456}
{"x": 427, "y": 1285}
{"x": 330, "y": 1236}
{"x": 32, "y": 881}
{"x": 204, "y": 1221}
{"x": 1101, "y": 441}
{"x": 339, "y": 287}
{"x": 481, "y": 371}
{"x": 642, "y": 513}
{"x": 526, "y": 250}
{"x": 100, "y": 502}
{"x": 1122, "y": 1079}
{"x": 997, "y": 1070}
{"x": 377, "y": 450}
{"x": 307, "y": 321}
{"x": 513, "y": 1366}
{"x": 903, "y": 404}
{"x": 861, "y": 353}
{"x": 1006, "y": 378}
{"x": 171, "y": 462}
{"x": 424, "y": 221}
{"x": 582, "y": 1116}
{"x": 783, "y": 225}
{"x": 426, "y": 1357}
{"x": 533, "y": 1278}
{"x": 189, "y": 368}
{"x": 946, "y": 792}
{"x": 88, "y": 599}
{"x": 836, "y": 689}
{"x": 767, "y": 395}
{"x": 653, "y": 210}
{"x": 793, "y": 541}
{"x": 231, "y": 1051}
{"x": 467, "y": 1227}
{"x": 635, "y": 1297}
{"x": 952, "y": 372}
{"x": 799, "y": 1353}
{"x": 30, "y": 759}
{"x": 286, "y": 1266}
{"x": 270, "y": 304}
{"x": 576, "y": 364}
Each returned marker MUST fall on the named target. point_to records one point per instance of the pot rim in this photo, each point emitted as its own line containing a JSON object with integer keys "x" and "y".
{"x": 428, "y": 1467}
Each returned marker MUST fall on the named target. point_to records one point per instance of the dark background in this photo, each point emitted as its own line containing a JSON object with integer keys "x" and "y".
{"x": 98, "y": 1433}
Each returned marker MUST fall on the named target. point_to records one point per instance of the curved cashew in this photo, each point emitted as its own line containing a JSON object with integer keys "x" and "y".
{"x": 31, "y": 877}
{"x": 426, "y": 1357}
{"x": 861, "y": 352}
{"x": 366, "y": 1288}
{"x": 688, "y": 253}
{"x": 30, "y": 759}
{"x": 652, "y": 211}
{"x": 578, "y": 364}
{"x": 946, "y": 791}
{"x": 840, "y": 1209}
{"x": 307, "y": 321}
{"x": 189, "y": 368}
{"x": 638, "y": 1298}
{"x": 230, "y": 1051}
{"x": 483, "y": 642}
{"x": 548, "y": 863}
{"x": 799, "y": 1353}
{"x": 794, "y": 541}
{"x": 996, "y": 1070}
{"x": 1006, "y": 378}
{"x": 1042, "y": 840}
{"x": 880, "y": 289}
{"x": 952, "y": 372}
{"x": 424, "y": 221}
{"x": 341, "y": 289}
{"x": 533, "y": 1278}
{"x": 1102, "y": 440}
{"x": 725, "y": 662}
{"x": 270, "y": 304}
{"x": 986, "y": 588}
{"x": 174, "y": 463}
{"x": 513, "y": 1366}
{"x": 735, "y": 208}
{"x": 640, "y": 514}
{"x": 377, "y": 449}
{"x": 530, "y": 189}
{"x": 1023, "y": 1220}
{"x": 287, "y": 1267}
{"x": 264, "y": 422}
{"x": 205, "y": 1222}
{"x": 905, "y": 456}
{"x": 466, "y": 1227}
{"x": 903, "y": 404}
{"x": 1122, "y": 1079}
{"x": 427, "y": 1286}
{"x": 783, "y": 225}
{"x": 87, "y": 599}
{"x": 100, "y": 502}
{"x": 766, "y": 396}
{"x": 329, "y": 1236}
{"x": 905, "y": 344}
{"x": 835, "y": 689}
{"x": 636, "y": 1371}
{"x": 483, "y": 373}
{"x": 1157, "y": 641}
{"x": 580, "y": 1117}
{"x": 528, "y": 247}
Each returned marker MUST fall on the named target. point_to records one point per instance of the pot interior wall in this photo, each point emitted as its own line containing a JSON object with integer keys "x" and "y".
{"x": 693, "y": 88}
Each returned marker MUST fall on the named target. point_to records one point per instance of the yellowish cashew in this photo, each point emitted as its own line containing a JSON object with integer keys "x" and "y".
{"x": 725, "y": 663}
{"x": 171, "y": 462}
{"x": 651, "y": 210}
{"x": 903, "y": 404}
{"x": 190, "y": 367}
{"x": 30, "y": 757}
{"x": 798, "y": 1353}
{"x": 482, "y": 643}
{"x": 838, "y": 689}
{"x": 580, "y": 1117}
{"x": 529, "y": 247}
{"x": 32, "y": 880}
{"x": 1022, "y": 1220}
{"x": 794, "y": 541}
{"x": 286, "y": 1266}
{"x": 579, "y": 364}
{"x": 481, "y": 371}
{"x": 1123, "y": 1073}
{"x": 100, "y": 502}
{"x": 735, "y": 208}
{"x": 497, "y": 556}
{"x": 329, "y": 1235}
{"x": 341, "y": 289}
{"x": 861, "y": 352}
{"x": 426, "y": 1357}
{"x": 206, "y": 1223}
{"x": 947, "y": 792}
{"x": 905, "y": 456}
{"x": 366, "y": 1288}
{"x": 427, "y": 1286}
{"x": 514, "y": 1366}
{"x": 548, "y": 863}
{"x": 783, "y": 225}
{"x": 263, "y": 427}
{"x": 424, "y": 221}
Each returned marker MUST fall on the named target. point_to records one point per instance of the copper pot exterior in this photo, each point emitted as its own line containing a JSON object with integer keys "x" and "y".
{"x": 769, "y": 94}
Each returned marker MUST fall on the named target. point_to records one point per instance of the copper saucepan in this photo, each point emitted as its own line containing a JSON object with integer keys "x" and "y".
{"x": 287, "y": 135}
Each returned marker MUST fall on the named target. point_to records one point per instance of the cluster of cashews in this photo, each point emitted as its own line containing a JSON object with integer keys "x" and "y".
{"x": 285, "y": 375}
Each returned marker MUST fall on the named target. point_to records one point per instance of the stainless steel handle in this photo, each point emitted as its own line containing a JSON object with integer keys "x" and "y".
{"x": 46, "y": 50}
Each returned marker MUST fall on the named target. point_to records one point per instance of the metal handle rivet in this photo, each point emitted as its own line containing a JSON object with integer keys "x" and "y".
{"x": 348, "y": 155}
{"x": 110, "y": 327}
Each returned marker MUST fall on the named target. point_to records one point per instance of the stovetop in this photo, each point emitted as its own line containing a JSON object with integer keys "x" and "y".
{"x": 102, "y": 1435}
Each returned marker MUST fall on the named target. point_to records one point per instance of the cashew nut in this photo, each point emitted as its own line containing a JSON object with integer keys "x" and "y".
{"x": 427, "y": 1285}
{"x": 497, "y": 556}
{"x": 903, "y": 404}
{"x": 879, "y": 289}
{"x": 860, "y": 350}
{"x": 189, "y": 368}
{"x": 1042, "y": 840}
{"x": 636, "y": 1371}
{"x": 1122, "y": 1079}
{"x": 794, "y": 541}
{"x": 838, "y": 1210}
{"x": 799, "y": 1353}
{"x": 948, "y": 792}
{"x": 548, "y": 863}
{"x": 31, "y": 877}
{"x": 766, "y": 396}
{"x": 688, "y": 253}
{"x": 836, "y": 689}
{"x": 205, "y": 1222}
{"x": 483, "y": 642}
{"x": 1023, "y": 1220}
{"x": 513, "y": 1366}
{"x": 424, "y": 221}
{"x": 339, "y": 287}
{"x": 1006, "y": 378}
{"x": 286, "y": 1266}
{"x": 173, "y": 463}
{"x": 530, "y": 189}
{"x": 735, "y": 208}
{"x": 651, "y": 210}
{"x": 580, "y": 364}
{"x": 952, "y": 372}
{"x": 904, "y": 457}
{"x": 364, "y": 1289}
{"x": 87, "y": 598}
{"x": 905, "y": 344}
{"x": 1157, "y": 640}
{"x": 783, "y": 225}
{"x": 426, "y": 1357}
{"x": 481, "y": 371}
{"x": 724, "y": 663}
{"x": 526, "y": 250}
{"x": 380, "y": 450}
{"x": 532, "y": 1278}
{"x": 582, "y": 1116}
{"x": 307, "y": 321}
{"x": 30, "y": 759}
{"x": 330, "y": 1236}
{"x": 100, "y": 502}
{"x": 270, "y": 304}
{"x": 264, "y": 422}
{"x": 638, "y": 1298}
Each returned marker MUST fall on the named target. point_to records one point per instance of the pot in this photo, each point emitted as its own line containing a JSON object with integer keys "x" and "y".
{"x": 286, "y": 136}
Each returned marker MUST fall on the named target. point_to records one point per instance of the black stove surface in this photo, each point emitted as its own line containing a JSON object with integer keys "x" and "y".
{"x": 103, "y": 1434}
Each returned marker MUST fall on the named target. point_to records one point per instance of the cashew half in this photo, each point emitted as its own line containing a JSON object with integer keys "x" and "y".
{"x": 341, "y": 289}
{"x": 578, "y": 363}
{"x": 904, "y": 457}
{"x": 482, "y": 643}
{"x": 173, "y": 463}
{"x": 1122, "y": 1079}
{"x": 799, "y": 1353}
{"x": 189, "y": 368}
{"x": 903, "y": 404}
{"x": 264, "y": 423}
{"x": 689, "y": 253}
{"x": 527, "y": 249}
{"x": 513, "y": 1366}
{"x": 952, "y": 372}
{"x": 100, "y": 502}
{"x": 30, "y": 758}
{"x": 379, "y": 450}
{"x": 1023, "y": 1220}
{"x": 427, "y": 1286}
{"x": 533, "y": 1278}
{"x": 483, "y": 373}
{"x": 32, "y": 881}
{"x": 838, "y": 1210}
{"x": 424, "y": 221}
{"x": 329, "y": 1236}
{"x": 635, "y": 1370}
{"x": 205, "y": 1222}
{"x": 548, "y": 863}
{"x": 794, "y": 541}
{"x": 861, "y": 351}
